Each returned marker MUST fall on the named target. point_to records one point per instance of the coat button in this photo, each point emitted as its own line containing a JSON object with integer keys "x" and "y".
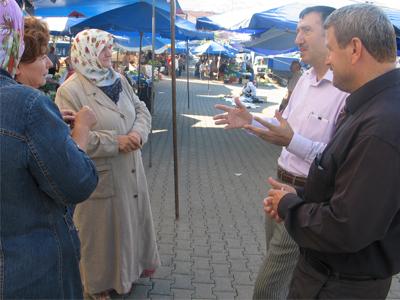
{"x": 122, "y": 116}
{"x": 133, "y": 171}
{"x": 135, "y": 196}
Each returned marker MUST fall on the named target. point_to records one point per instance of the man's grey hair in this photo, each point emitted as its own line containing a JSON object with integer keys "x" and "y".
{"x": 368, "y": 23}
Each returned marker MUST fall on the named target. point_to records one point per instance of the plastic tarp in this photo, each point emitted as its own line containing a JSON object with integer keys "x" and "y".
{"x": 89, "y": 8}
{"x": 212, "y": 48}
{"x": 62, "y": 25}
{"x": 237, "y": 20}
{"x": 273, "y": 41}
{"x": 137, "y": 17}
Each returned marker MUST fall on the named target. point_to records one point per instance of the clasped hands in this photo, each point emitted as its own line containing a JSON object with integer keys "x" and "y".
{"x": 275, "y": 195}
{"x": 130, "y": 142}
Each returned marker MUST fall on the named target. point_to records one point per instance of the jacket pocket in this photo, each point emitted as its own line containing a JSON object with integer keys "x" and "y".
{"x": 105, "y": 187}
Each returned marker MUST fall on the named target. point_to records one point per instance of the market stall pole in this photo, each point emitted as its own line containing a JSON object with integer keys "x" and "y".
{"x": 187, "y": 72}
{"x": 153, "y": 48}
{"x": 174, "y": 127}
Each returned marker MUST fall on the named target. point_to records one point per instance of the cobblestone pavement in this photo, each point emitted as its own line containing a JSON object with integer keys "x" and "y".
{"x": 215, "y": 248}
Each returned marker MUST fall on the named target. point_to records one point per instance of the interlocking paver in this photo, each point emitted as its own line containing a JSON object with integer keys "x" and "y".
{"x": 221, "y": 270}
{"x": 182, "y": 294}
{"x": 161, "y": 287}
{"x": 223, "y": 284}
{"x": 183, "y": 267}
{"x": 202, "y": 276}
{"x": 182, "y": 282}
{"x": 225, "y": 295}
{"x": 244, "y": 292}
{"x": 139, "y": 292}
{"x": 201, "y": 263}
{"x": 204, "y": 291}
{"x": 163, "y": 272}
{"x": 242, "y": 278}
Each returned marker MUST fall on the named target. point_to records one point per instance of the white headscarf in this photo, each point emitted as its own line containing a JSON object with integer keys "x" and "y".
{"x": 85, "y": 53}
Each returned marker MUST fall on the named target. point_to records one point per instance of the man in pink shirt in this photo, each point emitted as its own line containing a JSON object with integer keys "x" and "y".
{"x": 304, "y": 129}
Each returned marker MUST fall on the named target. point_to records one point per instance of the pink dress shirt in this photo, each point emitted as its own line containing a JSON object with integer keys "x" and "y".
{"x": 312, "y": 112}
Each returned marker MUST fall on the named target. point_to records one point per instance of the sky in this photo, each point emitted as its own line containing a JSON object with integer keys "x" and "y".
{"x": 220, "y": 6}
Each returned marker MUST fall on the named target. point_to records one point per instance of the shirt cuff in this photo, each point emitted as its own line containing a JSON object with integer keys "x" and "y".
{"x": 288, "y": 202}
{"x": 299, "y": 146}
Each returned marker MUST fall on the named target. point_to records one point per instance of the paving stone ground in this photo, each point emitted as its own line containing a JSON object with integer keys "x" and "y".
{"x": 215, "y": 248}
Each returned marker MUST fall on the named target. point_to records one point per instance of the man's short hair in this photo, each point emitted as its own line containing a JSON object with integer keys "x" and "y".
{"x": 324, "y": 11}
{"x": 368, "y": 23}
{"x": 36, "y": 38}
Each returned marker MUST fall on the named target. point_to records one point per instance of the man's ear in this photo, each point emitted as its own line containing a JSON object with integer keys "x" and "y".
{"x": 356, "y": 48}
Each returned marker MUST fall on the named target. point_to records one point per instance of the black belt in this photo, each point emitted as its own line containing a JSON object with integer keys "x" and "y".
{"x": 326, "y": 270}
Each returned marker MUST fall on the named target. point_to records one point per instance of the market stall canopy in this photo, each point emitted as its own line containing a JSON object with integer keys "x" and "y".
{"x": 212, "y": 48}
{"x": 129, "y": 41}
{"x": 89, "y": 8}
{"x": 137, "y": 17}
{"x": 283, "y": 21}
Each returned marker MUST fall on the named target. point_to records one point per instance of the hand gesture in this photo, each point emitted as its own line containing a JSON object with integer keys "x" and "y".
{"x": 271, "y": 202}
{"x": 234, "y": 117}
{"x": 85, "y": 117}
{"x": 279, "y": 135}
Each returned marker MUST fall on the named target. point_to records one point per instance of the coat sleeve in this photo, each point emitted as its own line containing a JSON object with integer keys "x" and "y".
{"x": 142, "y": 124}
{"x": 102, "y": 143}
{"x": 61, "y": 169}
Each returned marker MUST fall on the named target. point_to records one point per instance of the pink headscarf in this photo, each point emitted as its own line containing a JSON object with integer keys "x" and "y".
{"x": 11, "y": 35}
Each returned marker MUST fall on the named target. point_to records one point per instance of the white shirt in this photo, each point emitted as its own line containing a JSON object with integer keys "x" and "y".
{"x": 312, "y": 112}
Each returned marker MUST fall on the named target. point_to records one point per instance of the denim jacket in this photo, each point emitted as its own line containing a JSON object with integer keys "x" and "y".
{"x": 42, "y": 173}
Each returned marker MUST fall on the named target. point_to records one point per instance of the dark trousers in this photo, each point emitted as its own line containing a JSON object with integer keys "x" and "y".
{"x": 308, "y": 283}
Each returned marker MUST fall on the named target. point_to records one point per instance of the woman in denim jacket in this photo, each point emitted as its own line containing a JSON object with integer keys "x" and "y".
{"x": 42, "y": 171}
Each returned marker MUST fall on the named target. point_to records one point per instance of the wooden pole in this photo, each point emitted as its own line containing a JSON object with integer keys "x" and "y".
{"x": 174, "y": 127}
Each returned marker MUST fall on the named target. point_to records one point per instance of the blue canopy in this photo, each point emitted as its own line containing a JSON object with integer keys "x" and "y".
{"x": 130, "y": 41}
{"x": 212, "y": 48}
{"x": 285, "y": 19}
{"x": 89, "y": 8}
{"x": 137, "y": 17}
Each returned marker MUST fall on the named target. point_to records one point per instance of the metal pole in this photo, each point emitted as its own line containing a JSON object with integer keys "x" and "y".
{"x": 153, "y": 86}
{"x": 140, "y": 51}
{"x": 174, "y": 128}
{"x": 187, "y": 71}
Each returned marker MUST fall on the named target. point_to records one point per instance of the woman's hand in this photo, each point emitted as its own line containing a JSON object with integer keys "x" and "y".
{"x": 129, "y": 143}
{"x": 85, "y": 117}
{"x": 68, "y": 116}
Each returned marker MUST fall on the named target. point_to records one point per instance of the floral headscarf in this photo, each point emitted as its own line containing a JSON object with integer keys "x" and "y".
{"x": 85, "y": 56}
{"x": 11, "y": 35}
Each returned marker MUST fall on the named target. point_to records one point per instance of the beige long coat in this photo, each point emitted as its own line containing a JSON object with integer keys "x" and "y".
{"x": 115, "y": 224}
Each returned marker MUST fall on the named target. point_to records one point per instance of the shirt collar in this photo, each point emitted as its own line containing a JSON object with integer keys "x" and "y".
{"x": 369, "y": 90}
{"x": 5, "y": 73}
{"x": 312, "y": 76}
